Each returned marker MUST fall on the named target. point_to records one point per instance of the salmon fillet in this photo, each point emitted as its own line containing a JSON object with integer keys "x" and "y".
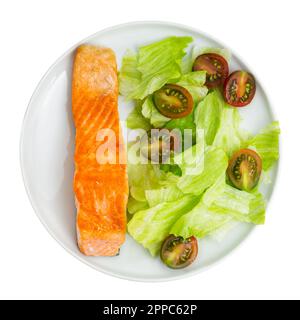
{"x": 101, "y": 188}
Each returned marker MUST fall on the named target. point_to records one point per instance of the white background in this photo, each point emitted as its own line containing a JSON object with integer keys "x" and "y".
{"x": 34, "y": 34}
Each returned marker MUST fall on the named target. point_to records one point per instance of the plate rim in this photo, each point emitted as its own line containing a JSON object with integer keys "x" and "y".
{"x": 25, "y": 178}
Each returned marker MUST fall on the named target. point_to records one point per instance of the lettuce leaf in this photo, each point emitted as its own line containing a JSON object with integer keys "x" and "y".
{"x": 228, "y": 137}
{"x": 241, "y": 205}
{"x": 208, "y": 114}
{"x": 166, "y": 194}
{"x": 213, "y": 165}
{"x": 220, "y": 205}
{"x": 136, "y": 120}
{"x": 199, "y": 222}
{"x": 150, "y": 112}
{"x": 187, "y": 127}
{"x": 191, "y": 161}
{"x": 145, "y": 176}
{"x": 266, "y": 144}
{"x": 142, "y": 177}
{"x": 151, "y": 226}
{"x": 221, "y": 123}
{"x": 171, "y": 168}
{"x": 194, "y": 83}
{"x": 134, "y": 205}
{"x": 129, "y": 75}
{"x": 153, "y": 66}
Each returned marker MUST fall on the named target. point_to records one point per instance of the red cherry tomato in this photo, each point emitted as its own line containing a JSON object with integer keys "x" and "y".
{"x": 244, "y": 169}
{"x": 216, "y": 68}
{"x": 239, "y": 88}
{"x": 177, "y": 252}
{"x": 173, "y": 101}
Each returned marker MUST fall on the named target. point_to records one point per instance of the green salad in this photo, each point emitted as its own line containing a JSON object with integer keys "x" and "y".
{"x": 209, "y": 176}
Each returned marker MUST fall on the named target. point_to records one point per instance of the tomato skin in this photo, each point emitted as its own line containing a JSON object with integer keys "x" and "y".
{"x": 157, "y": 144}
{"x": 239, "y": 88}
{"x": 173, "y": 101}
{"x": 178, "y": 253}
{"x": 244, "y": 169}
{"x": 216, "y": 68}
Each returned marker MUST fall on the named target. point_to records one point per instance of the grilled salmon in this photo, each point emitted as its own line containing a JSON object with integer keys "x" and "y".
{"x": 100, "y": 186}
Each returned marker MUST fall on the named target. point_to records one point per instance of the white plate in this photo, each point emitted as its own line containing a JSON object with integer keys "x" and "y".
{"x": 47, "y": 145}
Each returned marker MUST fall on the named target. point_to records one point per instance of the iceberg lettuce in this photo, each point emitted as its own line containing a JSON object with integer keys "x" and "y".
{"x": 152, "y": 67}
{"x": 240, "y": 205}
{"x": 212, "y": 166}
{"x": 186, "y": 126}
{"x": 199, "y": 222}
{"x": 150, "y": 112}
{"x": 194, "y": 82}
{"x": 228, "y": 136}
{"x": 136, "y": 120}
{"x": 134, "y": 205}
{"x": 151, "y": 226}
{"x": 221, "y": 123}
{"x": 142, "y": 177}
{"x": 165, "y": 194}
{"x": 129, "y": 75}
{"x": 207, "y": 115}
{"x": 266, "y": 144}
{"x": 220, "y": 205}
{"x": 189, "y": 196}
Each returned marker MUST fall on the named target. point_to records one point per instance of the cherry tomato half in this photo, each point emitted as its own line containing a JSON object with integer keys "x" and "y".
{"x": 177, "y": 252}
{"x": 173, "y": 101}
{"x": 157, "y": 144}
{"x": 216, "y": 68}
{"x": 244, "y": 169}
{"x": 239, "y": 88}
